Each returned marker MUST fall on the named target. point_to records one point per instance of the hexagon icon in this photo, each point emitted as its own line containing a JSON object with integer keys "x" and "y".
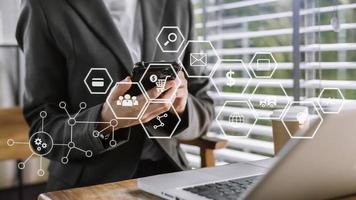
{"x": 263, "y": 65}
{"x": 302, "y": 117}
{"x": 331, "y": 100}
{"x": 170, "y": 39}
{"x": 162, "y": 126}
{"x": 98, "y": 81}
{"x": 236, "y": 119}
{"x": 156, "y": 76}
{"x": 231, "y": 77}
{"x": 264, "y": 101}
{"x": 129, "y": 105}
{"x": 203, "y": 59}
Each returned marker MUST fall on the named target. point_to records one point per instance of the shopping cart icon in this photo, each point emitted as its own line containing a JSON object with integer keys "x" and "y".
{"x": 160, "y": 82}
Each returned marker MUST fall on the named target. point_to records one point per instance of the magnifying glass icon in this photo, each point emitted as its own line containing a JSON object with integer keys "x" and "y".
{"x": 172, "y": 37}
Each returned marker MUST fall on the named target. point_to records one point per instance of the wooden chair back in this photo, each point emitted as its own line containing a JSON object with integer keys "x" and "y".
{"x": 207, "y": 146}
{"x": 13, "y": 126}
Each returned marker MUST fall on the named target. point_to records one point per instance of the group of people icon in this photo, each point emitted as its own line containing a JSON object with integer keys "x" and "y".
{"x": 127, "y": 101}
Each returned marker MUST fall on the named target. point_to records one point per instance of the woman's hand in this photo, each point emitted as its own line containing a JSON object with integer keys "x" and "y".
{"x": 151, "y": 112}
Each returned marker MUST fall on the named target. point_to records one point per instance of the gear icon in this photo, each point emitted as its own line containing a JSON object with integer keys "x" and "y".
{"x": 38, "y": 141}
{"x": 39, "y": 149}
{"x": 44, "y": 145}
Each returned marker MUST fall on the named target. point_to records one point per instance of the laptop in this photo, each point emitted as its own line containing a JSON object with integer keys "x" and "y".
{"x": 320, "y": 168}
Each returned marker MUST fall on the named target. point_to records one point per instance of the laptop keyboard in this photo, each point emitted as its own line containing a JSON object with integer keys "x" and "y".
{"x": 226, "y": 190}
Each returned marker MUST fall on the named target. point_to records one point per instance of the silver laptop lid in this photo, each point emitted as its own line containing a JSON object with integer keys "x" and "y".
{"x": 320, "y": 168}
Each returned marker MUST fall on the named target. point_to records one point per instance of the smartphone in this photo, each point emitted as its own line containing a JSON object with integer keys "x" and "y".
{"x": 157, "y": 72}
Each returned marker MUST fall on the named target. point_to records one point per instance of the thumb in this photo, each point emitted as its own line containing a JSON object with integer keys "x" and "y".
{"x": 124, "y": 85}
{"x": 120, "y": 89}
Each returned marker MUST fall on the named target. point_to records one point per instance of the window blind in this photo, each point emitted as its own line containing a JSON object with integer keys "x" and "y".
{"x": 239, "y": 29}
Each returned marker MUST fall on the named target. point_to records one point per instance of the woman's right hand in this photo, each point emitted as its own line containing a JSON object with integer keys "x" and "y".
{"x": 151, "y": 112}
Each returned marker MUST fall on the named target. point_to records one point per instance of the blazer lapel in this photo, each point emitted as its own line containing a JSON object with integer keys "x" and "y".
{"x": 152, "y": 15}
{"x": 96, "y": 16}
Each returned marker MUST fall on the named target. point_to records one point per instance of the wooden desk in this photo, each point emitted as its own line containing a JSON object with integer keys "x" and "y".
{"x": 125, "y": 190}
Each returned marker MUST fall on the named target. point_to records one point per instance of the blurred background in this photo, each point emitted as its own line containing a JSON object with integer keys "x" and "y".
{"x": 322, "y": 32}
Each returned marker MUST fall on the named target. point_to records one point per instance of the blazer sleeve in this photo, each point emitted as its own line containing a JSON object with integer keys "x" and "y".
{"x": 200, "y": 107}
{"x": 46, "y": 85}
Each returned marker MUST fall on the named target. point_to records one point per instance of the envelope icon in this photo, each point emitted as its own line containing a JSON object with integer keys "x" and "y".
{"x": 198, "y": 59}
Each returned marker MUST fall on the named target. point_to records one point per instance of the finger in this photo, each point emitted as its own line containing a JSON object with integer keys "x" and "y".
{"x": 152, "y": 116}
{"x": 141, "y": 98}
{"x": 157, "y": 107}
{"x": 152, "y": 107}
{"x": 183, "y": 80}
{"x": 181, "y": 75}
{"x": 181, "y": 92}
{"x": 154, "y": 110}
{"x": 170, "y": 84}
{"x": 183, "y": 83}
{"x": 155, "y": 93}
{"x": 169, "y": 93}
{"x": 179, "y": 103}
{"x": 120, "y": 88}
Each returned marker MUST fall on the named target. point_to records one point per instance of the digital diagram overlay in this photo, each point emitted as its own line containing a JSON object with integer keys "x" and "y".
{"x": 41, "y": 142}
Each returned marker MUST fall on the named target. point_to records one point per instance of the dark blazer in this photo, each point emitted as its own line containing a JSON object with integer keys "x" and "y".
{"x": 62, "y": 40}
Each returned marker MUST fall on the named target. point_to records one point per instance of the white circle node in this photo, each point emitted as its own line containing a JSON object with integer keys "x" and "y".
{"x": 113, "y": 143}
{"x": 82, "y": 105}
{"x": 64, "y": 160}
{"x": 21, "y": 165}
{"x": 62, "y": 104}
{"x": 114, "y": 122}
{"x": 43, "y": 114}
{"x": 71, "y": 121}
{"x": 88, "y": 153}
{"x": 10, "y": 142}
{"x": 40, "y": 172}
{"x": 96, "y": 133}
{"x": 71, "y": 144}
